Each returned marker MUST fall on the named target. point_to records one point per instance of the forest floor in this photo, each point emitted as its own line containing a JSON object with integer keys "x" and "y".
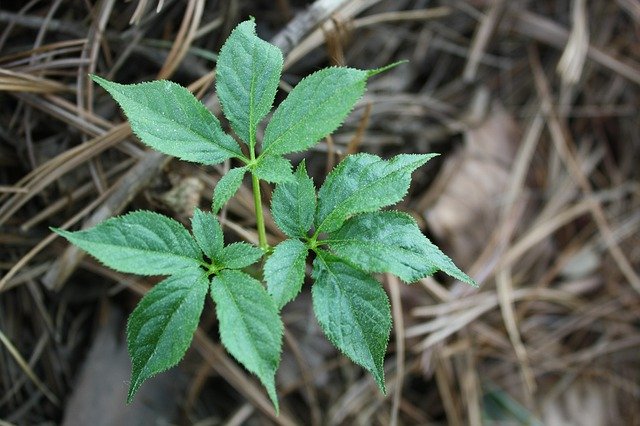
{"x": 534, "y": 108}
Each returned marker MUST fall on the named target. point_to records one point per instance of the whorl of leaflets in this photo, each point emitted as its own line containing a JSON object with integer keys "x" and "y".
{"x": 342, "y": 222}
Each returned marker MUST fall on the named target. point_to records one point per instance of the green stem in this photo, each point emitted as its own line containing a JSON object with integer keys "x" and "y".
{"x": 257, "y": 200}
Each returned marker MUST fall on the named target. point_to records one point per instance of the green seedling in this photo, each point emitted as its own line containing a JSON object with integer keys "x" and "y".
{"x": 342, "y": 223}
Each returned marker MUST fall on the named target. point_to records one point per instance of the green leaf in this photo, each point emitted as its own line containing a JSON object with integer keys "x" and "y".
{"x": 227, "y": 187}
{"x": 354, "y": 312}
{"x": 141, "y": 242}
{"x": 391, "y": 242}
{"x": 376, "y": 71}
{"x": 161, "y": 328}
{"x": 239, "y": 255}
{"x": 315, "y": 107}
{"x": 248, "y": 73}
{"x": 293, "y": 204}
{"x": 208, "y": 233}
{"x": 169, "y": 119}
{"x": 284, "y": 271}
{"x": 363, "y": 183}
{"x": 274, "y": 169}
{"x": 250, "y": 327}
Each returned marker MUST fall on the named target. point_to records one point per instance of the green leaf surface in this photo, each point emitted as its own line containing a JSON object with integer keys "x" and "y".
{"x": 274, "y": 169}
{"x": 227, "y": 187}
{"x": 391, "y": 242}
{"x": 363, "y": 183}
{"x": 250, "y": 327}
{"x": 315, "y": 107}
{"x": 284, "y": 271}
{"x": 161, "y": 327}
{"x": 168, "y": 118}
{"x": 141, "y": 242}
{"x": 240, "y": 255}
{"x": 208, "y": 233}
{"x": 248, "y": 73}
{"x": 354, "y": 312}
{"x": 293, "y": 204}
{"x": 376, "y": 71}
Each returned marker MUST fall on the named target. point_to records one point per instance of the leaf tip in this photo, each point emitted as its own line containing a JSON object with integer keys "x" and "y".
{"x": 376, "y": 71}
{"x": 102, "y": 82}
{"x": 453, "y": 271}
{"x": 273, "y": 396}
{"x": 133, "y": 389}
{"x": 468, "y": 280}
{"x": 301, "y": 169}
{"x": 381, "y": 384}
{"x": 62, "y": 232}
{"x": 429, "y": 156}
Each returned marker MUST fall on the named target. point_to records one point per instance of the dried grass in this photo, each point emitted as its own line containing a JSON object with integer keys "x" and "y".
{"x": 534, "y": 106}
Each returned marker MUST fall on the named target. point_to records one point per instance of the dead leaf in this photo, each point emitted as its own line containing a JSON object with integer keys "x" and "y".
{"x": 468, "y": 208}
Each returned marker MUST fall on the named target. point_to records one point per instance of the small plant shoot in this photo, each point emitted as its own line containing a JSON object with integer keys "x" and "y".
{"x": 343, "y": 222}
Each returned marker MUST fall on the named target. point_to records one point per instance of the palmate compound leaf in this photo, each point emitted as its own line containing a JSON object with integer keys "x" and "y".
{"x": 293, "y": 204}
{"x": 284, "y": 271}
{"x": 313, "y": 109}
{"x": 141, "y": 242}
{"x": 248, "y": 73}
{"x": 363, "y": 183}
{"x": 168, "y": 118}
{"x": 250, "y": 327}
{"x": 391, "y": 241}
{"x": 161, "y": 327}
{"x": 354, "y": 312}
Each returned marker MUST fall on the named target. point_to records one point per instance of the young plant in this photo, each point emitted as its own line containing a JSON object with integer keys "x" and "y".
{"x": 342, "y": 223}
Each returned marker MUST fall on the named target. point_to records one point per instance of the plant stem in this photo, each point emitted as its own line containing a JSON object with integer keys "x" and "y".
{"x": 257, "y": 200}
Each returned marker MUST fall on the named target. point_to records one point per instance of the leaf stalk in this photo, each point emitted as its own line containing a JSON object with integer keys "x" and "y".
{"x": 257, "y": 201}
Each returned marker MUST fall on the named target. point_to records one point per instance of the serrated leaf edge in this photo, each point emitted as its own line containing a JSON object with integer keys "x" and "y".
{"x": 270, "y": 389}
{"x": 423, "y": 158}
{"x": 71, "y": 236}
{"x": 224, "y": 261}
{"x": 415, "y": 277}
{"x": 266, "y": 150}
{"x": 99, "y": 80}
{"x": 252, "y": 131}
{"x": 216, "y": 205}
{"x": 267, "y": 271}
{"x": 135, "y": 384}
{"x": 379, "y": 379}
